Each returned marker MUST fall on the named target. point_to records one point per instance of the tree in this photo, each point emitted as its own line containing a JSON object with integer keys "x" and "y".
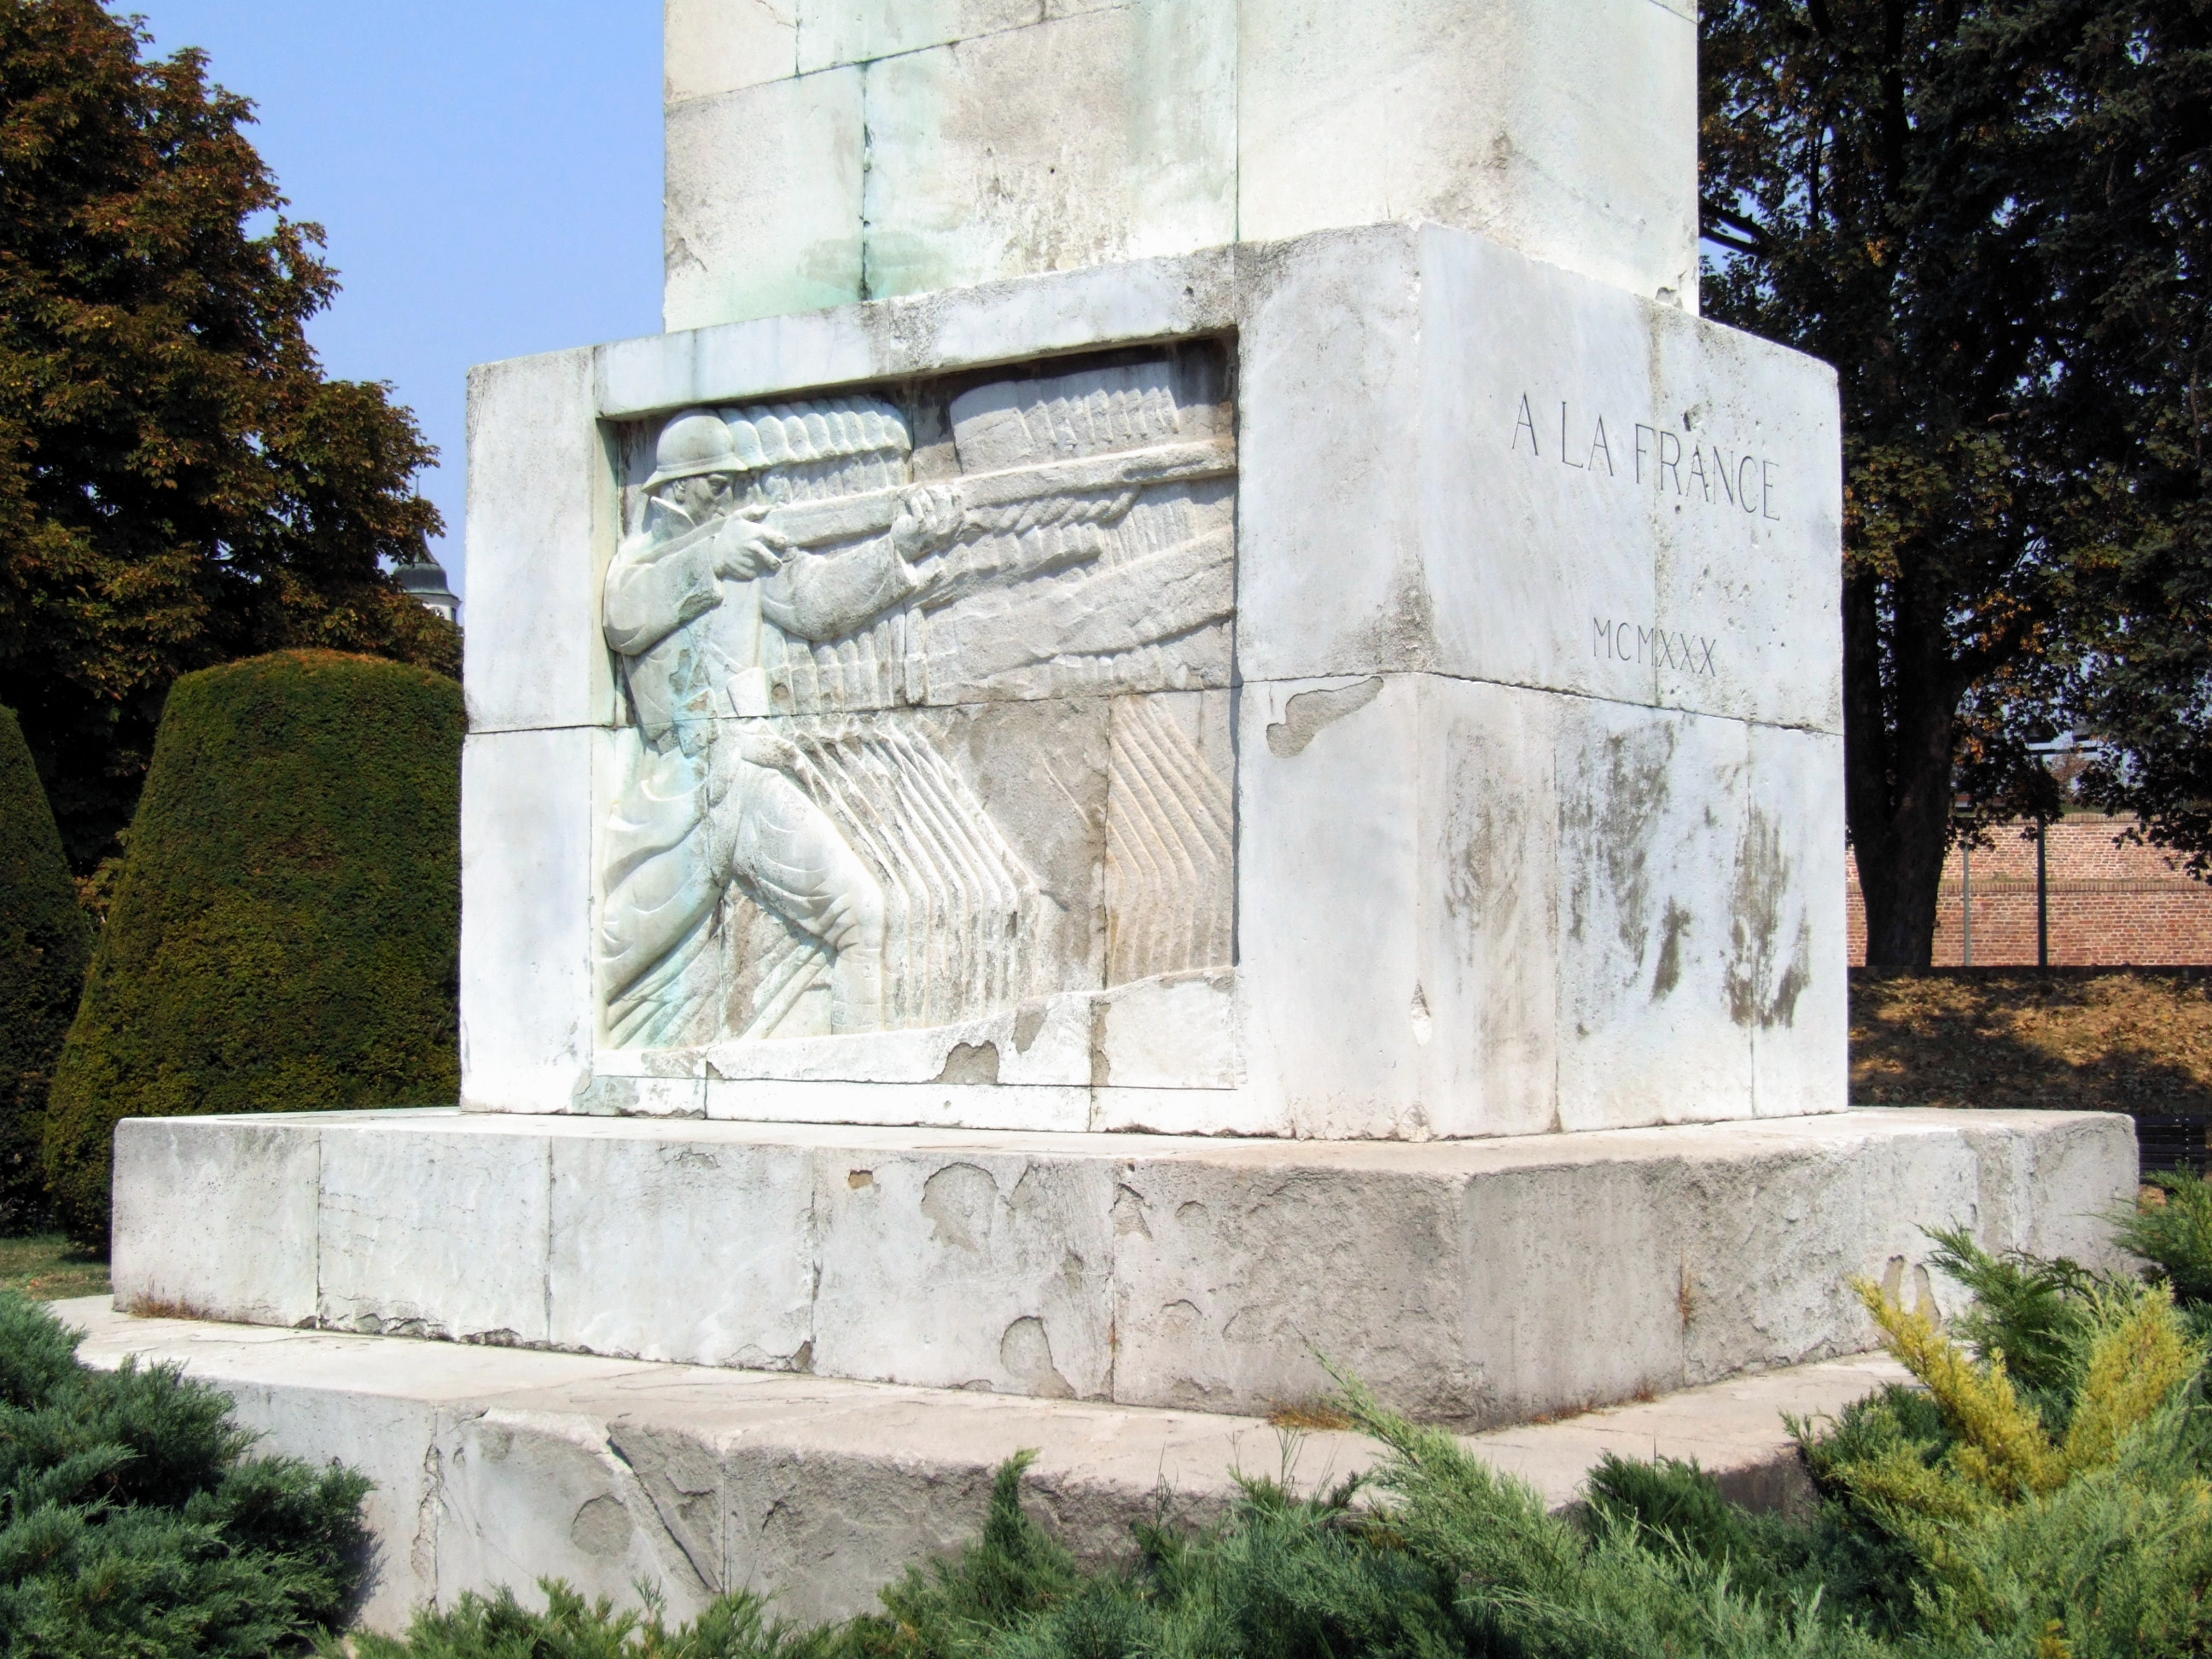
{"x": 2149, "y": 694}
{"x": 180, "y": 483}
{"x": 1974, "y": 209}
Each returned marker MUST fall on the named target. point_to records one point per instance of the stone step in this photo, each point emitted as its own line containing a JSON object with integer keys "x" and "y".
{"x": 1475, "y": 1283}
{"x": 498, "y": 1466}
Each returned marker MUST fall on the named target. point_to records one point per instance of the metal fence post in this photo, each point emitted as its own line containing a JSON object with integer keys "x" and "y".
{"x": 2041, "y": 894}
{"x": 1966, "y": 904}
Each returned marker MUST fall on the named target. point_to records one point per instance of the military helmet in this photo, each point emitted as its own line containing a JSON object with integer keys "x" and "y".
{"x": 695, "y": 441}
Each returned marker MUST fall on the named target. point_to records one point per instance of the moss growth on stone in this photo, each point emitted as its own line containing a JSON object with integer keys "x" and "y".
{"x": 285, "y": 935}
{"x": 44, "y": 945}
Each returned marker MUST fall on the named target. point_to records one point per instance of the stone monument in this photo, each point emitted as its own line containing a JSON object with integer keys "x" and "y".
{"x": 1188, "y": 720}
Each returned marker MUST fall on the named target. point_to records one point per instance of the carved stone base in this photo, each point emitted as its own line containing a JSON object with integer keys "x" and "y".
{"x": 1470, "y": 1282}
{"x": 492, "y": 1465}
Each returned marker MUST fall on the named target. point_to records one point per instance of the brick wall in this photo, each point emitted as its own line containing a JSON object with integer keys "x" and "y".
{"x": 2108, "y": 904}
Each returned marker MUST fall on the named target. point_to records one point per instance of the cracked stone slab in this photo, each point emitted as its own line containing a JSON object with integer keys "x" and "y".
{"x": 1476, "y": 1283}
{"x": 496, "y": 1466}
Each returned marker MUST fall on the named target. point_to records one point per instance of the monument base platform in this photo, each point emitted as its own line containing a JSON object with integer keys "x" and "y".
{"x": 495, "y": 1466}
{"x": 1472, "y": 1282}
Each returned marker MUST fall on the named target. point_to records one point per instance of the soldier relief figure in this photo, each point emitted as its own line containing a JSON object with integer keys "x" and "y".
{"x": 715, "y": 802}
{"x": 788, "y": 850}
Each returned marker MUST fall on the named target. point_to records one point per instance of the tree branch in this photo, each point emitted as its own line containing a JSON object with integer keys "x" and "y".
{"x": 1731, "y": 229}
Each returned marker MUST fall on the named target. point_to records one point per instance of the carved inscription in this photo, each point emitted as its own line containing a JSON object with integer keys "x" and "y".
{"x": 926, "y": 704}
{"x": 1685, "y": 465}
{"x": 1630, "y": 642}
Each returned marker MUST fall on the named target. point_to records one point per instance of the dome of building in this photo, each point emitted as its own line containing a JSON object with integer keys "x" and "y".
{"x": 425, "y": 583}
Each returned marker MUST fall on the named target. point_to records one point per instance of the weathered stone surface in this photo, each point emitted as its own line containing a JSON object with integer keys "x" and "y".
{"x": 1530, "y": 820}
{"x": 662, "y": 1250}
{"x": 928, "y": 334}
{"x": 1006, "y": 1261}
{"x": 1651, "y": 813}
{"x": 419, "y": 1235}
{"x": 1788, "y": 902}
{"x": 718, "y": 45}
{"x": 1328, "y": 976}
{"x": 1575, "y": 914}
{"x": 1474, "y": 1281}
{"x": 257, "y": 1184}
{"x": 493, "y": 1466}
{"x": 1051, "y": 1108}
{"x": 528, "y": 1002}
{"x": 1566, "y": 133}
{"x": 856, "y": 31}
{"x": 1003, "y": 138}
{"x": 1484, "y": 1014}
{"x": 541, "y": 501}
{"x": 779, "y": 166}
{"x": 1525, "y": 483}
{"x": 1086, "y": 140}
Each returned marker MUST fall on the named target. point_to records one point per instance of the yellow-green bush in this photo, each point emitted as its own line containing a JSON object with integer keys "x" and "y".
{"x": 285, "y": 934}
{"x": 43, "y": 943}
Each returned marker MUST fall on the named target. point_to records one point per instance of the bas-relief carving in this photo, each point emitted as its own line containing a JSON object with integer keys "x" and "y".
{"x": 926, "y": 704}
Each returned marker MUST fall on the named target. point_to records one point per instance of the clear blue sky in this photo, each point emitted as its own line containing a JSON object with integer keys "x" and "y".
{"x": 489, "y": 172}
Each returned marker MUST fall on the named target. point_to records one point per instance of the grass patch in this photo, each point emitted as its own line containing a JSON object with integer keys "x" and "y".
{"x": 48, "y": 1267}
{"x": 2097, "y": 1039}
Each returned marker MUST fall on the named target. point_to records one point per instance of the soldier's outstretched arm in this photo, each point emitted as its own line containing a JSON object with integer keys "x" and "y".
{"x": 826, "y": 596}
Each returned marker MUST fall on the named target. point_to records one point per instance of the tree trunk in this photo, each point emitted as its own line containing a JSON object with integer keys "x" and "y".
{"x": 1897, "y": 779}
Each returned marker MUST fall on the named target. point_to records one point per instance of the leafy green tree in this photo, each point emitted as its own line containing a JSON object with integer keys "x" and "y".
{"x": 2149, "y": 694}
{"x": 180, "y": 483}
{"x": 1989, "y": 215}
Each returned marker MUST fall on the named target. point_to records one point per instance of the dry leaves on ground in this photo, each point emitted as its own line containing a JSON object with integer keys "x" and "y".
{"x": 2138, "y": 1040}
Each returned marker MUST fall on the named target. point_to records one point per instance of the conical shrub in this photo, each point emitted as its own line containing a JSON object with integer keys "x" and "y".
{"x": 44, "y": 945}
{"x": 286, "y": 932}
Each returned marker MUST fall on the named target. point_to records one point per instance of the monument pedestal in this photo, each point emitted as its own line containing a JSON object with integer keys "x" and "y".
{"x": 494, "y": 1465}
{"x": 1379, "y": 687}
{"x": 1046, "y": 857}
{"x": 1472, "y": 1282}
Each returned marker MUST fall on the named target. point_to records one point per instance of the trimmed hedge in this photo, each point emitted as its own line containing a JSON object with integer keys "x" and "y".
{"x": 45, "y": 944}
{"x": 286, "y": 932}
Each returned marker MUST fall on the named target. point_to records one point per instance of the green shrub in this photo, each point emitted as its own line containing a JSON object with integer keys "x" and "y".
{"x": 132, "y": 1523}
{"x": 285, "y": 934}
{"x": 44, "y": 945}
{"x": 500, "y": 1627}
{"x": 2069, "y": 1517}
{"x": 2174, "y": 1233}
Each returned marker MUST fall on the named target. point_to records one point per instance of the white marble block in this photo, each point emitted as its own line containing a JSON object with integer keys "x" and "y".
{"x": 830, "y": 150}
{"x": 1472, "y": 1281}
{"x": 1368, "y": 685}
